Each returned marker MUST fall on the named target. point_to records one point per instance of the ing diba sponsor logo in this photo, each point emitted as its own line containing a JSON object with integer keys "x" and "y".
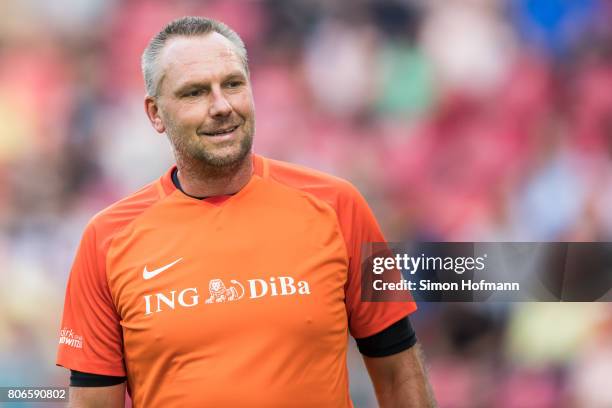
{"x": 218, "y": 292}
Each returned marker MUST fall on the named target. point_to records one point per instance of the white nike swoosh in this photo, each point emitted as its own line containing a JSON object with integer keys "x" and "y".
{"x": 151, "y": 274}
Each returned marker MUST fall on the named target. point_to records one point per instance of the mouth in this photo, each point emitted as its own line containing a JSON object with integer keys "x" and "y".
{"x": 221, "y": 132}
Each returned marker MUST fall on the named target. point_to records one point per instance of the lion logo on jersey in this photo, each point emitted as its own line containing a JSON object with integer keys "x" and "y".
{"x": 219, "y": 293}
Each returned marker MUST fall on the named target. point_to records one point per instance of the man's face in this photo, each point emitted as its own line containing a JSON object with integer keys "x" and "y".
{"x": 205, "y": 102}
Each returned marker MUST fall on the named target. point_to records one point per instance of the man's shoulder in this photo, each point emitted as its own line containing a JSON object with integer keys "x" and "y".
{"x": 352, "y": 211}
{"x": 332, "y": 189}
{"x": 122, "y": 212}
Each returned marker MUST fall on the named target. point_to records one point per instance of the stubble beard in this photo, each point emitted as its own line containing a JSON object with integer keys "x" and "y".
{"x": 194, "y": 157}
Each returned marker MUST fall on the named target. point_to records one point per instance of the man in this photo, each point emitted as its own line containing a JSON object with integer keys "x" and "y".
{"x": 233, "y": 279}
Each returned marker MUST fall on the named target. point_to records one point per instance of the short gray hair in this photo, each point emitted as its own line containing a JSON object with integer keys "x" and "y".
{"x": 184, "y": 27}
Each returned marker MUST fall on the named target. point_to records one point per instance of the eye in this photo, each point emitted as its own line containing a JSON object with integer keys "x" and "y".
{"x": 193, "y": 93}
{"x": 233, "y": 84}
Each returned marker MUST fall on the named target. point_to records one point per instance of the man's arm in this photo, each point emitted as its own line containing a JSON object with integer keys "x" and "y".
{"x": 400, "y": 380}
{"x": 94, "y": 397}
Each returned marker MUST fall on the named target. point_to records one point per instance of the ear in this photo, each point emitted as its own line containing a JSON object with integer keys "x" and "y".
{"x": 152, "y": 111}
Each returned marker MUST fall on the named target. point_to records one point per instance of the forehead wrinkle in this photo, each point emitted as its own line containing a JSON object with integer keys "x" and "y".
{"x": 196, "y": 80}
{"x": 184, "y": 52}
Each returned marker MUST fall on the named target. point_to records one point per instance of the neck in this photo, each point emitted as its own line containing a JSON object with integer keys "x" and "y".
{"x": 201, "y": 180}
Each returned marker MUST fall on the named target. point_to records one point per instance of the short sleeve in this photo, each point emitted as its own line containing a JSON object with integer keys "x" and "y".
{"x": 90, "y": 337}
{"x": 360, "y": 228}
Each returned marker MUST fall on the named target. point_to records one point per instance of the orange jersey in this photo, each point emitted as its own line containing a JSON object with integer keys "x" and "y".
{"x": 238, "y": 300}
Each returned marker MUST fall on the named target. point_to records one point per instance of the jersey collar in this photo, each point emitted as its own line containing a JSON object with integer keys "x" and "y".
{"x": 168, "y": 186}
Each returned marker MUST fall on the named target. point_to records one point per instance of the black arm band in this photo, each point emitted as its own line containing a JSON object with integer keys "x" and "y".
{"x": 398, "y": 337}
{"x": 80, "y": 379}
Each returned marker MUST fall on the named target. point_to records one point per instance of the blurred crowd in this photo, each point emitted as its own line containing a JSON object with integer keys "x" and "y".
{"x": 459, "y": 120}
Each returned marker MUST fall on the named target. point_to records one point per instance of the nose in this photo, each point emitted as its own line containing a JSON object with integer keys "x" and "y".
{"x": 219, "y": 107}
